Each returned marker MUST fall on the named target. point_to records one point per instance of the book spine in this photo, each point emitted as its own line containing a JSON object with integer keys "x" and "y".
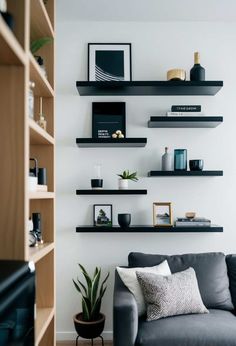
{"x": 193, "y": 224}
{"x": 184, "y": 113}
{"x": 186, "y": 108}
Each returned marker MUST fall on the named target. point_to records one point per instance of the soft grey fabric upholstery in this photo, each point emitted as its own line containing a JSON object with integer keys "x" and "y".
{"x": 211, "y": 272}
{"x": 231, "y": 263}
{"x": 218, "y": 328}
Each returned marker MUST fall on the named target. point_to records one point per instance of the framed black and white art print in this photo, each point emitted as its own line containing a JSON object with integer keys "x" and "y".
{"x": 109, "y": 62}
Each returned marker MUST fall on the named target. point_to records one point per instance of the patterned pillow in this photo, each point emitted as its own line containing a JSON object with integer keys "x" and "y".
{"x": 171, "y": 295}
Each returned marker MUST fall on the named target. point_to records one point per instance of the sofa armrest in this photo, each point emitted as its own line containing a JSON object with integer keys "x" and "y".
{"x": 125, "y": 315}
{"x": 231, "y": 264}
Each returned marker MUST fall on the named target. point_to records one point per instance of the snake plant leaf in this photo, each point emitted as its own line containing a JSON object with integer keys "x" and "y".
{"x": 39, "y": 43}
{"x": 95, "y": 272}
{"x": 77, "y": 286}
{"x": 82, "y": 285}
{"x": 86, "y": 315}
{"x": 95, "y": 284}
{"x": 103, "y": 283}
{"x": 96, "y": 308}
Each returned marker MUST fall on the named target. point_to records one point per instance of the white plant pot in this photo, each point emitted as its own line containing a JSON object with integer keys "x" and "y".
{"x": 123, "y": 184}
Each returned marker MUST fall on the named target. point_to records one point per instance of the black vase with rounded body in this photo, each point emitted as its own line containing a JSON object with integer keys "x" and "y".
{"x": 196, "y": 165}
{"x": 197, "y": 72}
{"x": 96, "y": 184}
{"x": 124, "y": 220}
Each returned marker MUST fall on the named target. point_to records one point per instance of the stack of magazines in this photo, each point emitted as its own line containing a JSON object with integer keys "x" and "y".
{"x": 194, "y": 222}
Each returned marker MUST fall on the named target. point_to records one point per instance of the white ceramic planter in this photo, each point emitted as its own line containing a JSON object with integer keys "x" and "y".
{"x": 123, "y": 184}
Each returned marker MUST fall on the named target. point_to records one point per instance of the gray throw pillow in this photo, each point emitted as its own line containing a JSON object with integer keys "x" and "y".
{"x": 171, "y": 295}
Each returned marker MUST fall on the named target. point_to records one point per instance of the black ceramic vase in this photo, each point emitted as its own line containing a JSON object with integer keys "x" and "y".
{"x": 96, "y": 184}
{"x": 124, "y": 220}
{"x": 196, "y": 165}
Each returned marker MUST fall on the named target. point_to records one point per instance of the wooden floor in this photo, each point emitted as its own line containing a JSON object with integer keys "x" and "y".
{"x": 83, "y": 343}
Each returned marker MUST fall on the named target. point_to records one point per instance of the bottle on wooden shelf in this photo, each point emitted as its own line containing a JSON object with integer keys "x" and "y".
{"x": 197, "y": 72}
{"x": 42, "y": 122}
{"x": 31, "y": 99}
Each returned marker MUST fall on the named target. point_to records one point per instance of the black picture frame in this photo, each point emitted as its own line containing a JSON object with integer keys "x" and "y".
{"x": 103, "y": 222}
{"x": 107, "y": 118}
{"x": 105, "y": 62}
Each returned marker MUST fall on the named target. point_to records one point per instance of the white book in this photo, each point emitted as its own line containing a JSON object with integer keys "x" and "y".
{"x": 187, "y": 114}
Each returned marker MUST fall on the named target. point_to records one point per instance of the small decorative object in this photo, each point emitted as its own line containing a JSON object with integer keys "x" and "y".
{"x": 109, "y": 62}
{"x": 167, "y": 161}
{"x": 31, "y": 99}
{"x": 32, "y": 236}
{"x": 124, "y": 220}
{"x": 176, "y": 74}
{"x": 102, "y": 215}
{"x": 97, "y": 182}
{"x": 118, "y": 134}
{"x": 33, "y": 176}
{"x": 36, "y": 217}
{"x": 197, "y": 72}
{"x": 190, "y": 215}
{"x": 37, "y": 45}
{"x": 8, "y": 18}
{"x": 40, "y": 61}
{"x": 42, "y": 176}
{"x": 124, "y": 179}
{"x": 108, "y": 118}
{"x": 89, "y": 323}
{"x": 180, "y": 159}
{"x": 162, "y": 214}
{"x": 196, "y": 165}
{"x": 42, "y": 121}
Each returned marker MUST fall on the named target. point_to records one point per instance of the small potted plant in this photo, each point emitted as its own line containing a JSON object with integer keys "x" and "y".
{"x": 89, "y": 323}
{"x": 124, "y": 179}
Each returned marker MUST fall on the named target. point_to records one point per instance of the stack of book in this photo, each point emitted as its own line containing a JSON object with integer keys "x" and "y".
{"x": 185, "y": 110}
{"x": 194, "y": 222}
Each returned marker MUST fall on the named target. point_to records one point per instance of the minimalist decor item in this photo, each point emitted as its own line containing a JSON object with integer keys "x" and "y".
{"x": 197, "y": 72}
{"x": 42, "y": 180}
{"x": 32, "y": 235}
{"x": 162, "y": 214}
{"x": 176, "y": 74}
{"x": 123, "y": 182}
{"x": 180, "y": 159}
{"x": 185, "y": 110}
{"x": 89, "y": 323}
{"x": 97, "y": 181}
{"x": 42, "y": 121}
{"x": 109, "y": 62}
{"x": 124, "y": 220}
{"x": 108, "y": 118}
{"x": 35, "y": 46}
{"x": 192, "y": 222}
{"x": 176, "y": 294}
{"x": 8, "y": 18}
{"x": 167, "y": 161}
{"x": 190, "y": 214}
{"x": 102, "y": 215}
{"x": 31, "y": 99}
{"x": 118, "y": 134}
{"x": 129, "y": 278}
{"x": 33, "y": 176}
{"x": 37, "y": 222}
{"x": 196, "y": 165}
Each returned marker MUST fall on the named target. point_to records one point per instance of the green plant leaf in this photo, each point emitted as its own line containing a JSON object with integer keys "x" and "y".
{"x": 94, "y": 289}
{"x": 95, "y": 272}
{"x": 86, "y": 314}
{"x": 82, "y": 285}
{"x": 77, "y": 286}
{"x": 39, "y": 43}
{"x": 96, "y": 309}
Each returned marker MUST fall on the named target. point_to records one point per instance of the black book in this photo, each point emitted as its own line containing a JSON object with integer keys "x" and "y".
{"x": 186, "y": 108}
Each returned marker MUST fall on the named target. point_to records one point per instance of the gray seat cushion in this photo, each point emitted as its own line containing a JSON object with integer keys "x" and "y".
{"x": 211, "y": 272}
{"x": 218, "y": 328}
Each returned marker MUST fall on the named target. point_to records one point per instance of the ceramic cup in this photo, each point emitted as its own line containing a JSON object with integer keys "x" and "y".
{"x": 96, "y": 184}
{"x": 196, "y": 165}
{"x": 124, "y": 220}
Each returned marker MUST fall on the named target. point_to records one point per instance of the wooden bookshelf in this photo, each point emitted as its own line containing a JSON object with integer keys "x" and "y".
{"x": 21, "y": 138}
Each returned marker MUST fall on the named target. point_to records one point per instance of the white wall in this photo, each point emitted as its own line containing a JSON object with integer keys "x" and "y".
{"x": 156, "y": 47}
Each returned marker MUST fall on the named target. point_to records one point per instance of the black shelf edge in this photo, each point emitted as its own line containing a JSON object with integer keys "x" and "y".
{"x": 150, "y": 229}
{"x": 111, "y": 192}
{"x": 111, "y": 143}
{"x": 149, "y": 88}
{"x": 204, "y": 121}
{"x": 185, "y": 174}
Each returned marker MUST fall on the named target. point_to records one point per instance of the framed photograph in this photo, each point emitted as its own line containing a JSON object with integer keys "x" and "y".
{"x": 107, "y": 118}
{"x": 102, "y": 215}
{"x": 162, "y": 214}
{"x": 109, "y": 62}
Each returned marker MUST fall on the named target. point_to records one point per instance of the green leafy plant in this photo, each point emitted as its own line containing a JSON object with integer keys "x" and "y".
{"x": 39, "y": 43}
{"x": 127, "y": 175}
{"x": 91, "y": 293}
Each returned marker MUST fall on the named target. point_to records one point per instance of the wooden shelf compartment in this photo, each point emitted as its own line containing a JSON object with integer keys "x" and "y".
{"x": 40, "y": 23}
{"x": 111, "y": 143}
{"x": 148, "y": 88}
{"x": 48, "y": 338}
{"x": 46, "y": 209}
{"x": 111, "y": 192}
{"x": 148, "y": 229}
{"x": 38, "y": 252}
{"x": 38, "y": 135}
{"x": 203, "y": 121}
{"x": 44, "y": 316}
{"x": 185, "y": 174}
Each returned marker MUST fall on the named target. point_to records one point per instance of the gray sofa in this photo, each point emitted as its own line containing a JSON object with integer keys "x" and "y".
{"x": 216, "y": 274}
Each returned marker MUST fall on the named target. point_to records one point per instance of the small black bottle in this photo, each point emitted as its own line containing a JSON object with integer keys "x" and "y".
{"x": 197, "y": 72}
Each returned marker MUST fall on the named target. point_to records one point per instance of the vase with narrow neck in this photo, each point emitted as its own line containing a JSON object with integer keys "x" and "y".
{"x": 167, "y": 162}
{"x": 197, "y": 72}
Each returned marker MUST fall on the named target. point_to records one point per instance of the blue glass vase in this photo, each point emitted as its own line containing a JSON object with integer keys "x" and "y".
{"x": 180, "y": 159}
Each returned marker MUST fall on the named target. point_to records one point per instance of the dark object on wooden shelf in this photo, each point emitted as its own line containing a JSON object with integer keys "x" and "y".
{"x": 42, "y": 176}
{"x": 185, "y": 173}
{"x": 124, "y": 220}
{"x": 96, "y": 184}
{"x": 111, "y": 192}
{"x": 196, "y": 165}
{"x": 89, "y": 330}
{"x": 8, "y": 18}
{"x": 185, "y": 121}
{"x": 197, "y": 72}
{"x": 148, "y": 88}
{"x": 146, "y": 229}
{"x": 111, "y": 143}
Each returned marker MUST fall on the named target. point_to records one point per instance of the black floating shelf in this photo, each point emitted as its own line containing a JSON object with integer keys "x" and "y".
{"x": 111, "y": 192}
{"x": 185, "y": 121}
{"x": 151, "y": 229}
{"x": 111, "y": 143}
{"x": 149, "y": 88}
{"x": 185, "y": 173}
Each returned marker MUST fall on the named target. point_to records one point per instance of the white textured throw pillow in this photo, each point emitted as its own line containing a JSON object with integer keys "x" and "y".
{"x": 129, "y": 278}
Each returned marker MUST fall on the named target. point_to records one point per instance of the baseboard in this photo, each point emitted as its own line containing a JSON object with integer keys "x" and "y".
{"x": 70, "y": 336}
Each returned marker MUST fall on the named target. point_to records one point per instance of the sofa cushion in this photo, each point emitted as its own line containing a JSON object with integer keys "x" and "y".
{"x": 218, "y": 328}
{"x": 231, "y": 264}
{"x": 211, "y": 272}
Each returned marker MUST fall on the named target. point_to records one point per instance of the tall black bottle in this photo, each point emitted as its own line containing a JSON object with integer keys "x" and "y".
{"x": 197, "y": 72}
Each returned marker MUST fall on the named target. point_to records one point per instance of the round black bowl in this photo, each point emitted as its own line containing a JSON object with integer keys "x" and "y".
{"x": 124, "y": 220}
{"x": 196, "y": 165}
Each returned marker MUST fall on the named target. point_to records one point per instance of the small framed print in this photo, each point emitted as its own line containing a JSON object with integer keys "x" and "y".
{"x": 107, "y": 118}
{"x": 102, "y": 215}
{"x": 162, "y": 214}
{"x": 109, "y": 62}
